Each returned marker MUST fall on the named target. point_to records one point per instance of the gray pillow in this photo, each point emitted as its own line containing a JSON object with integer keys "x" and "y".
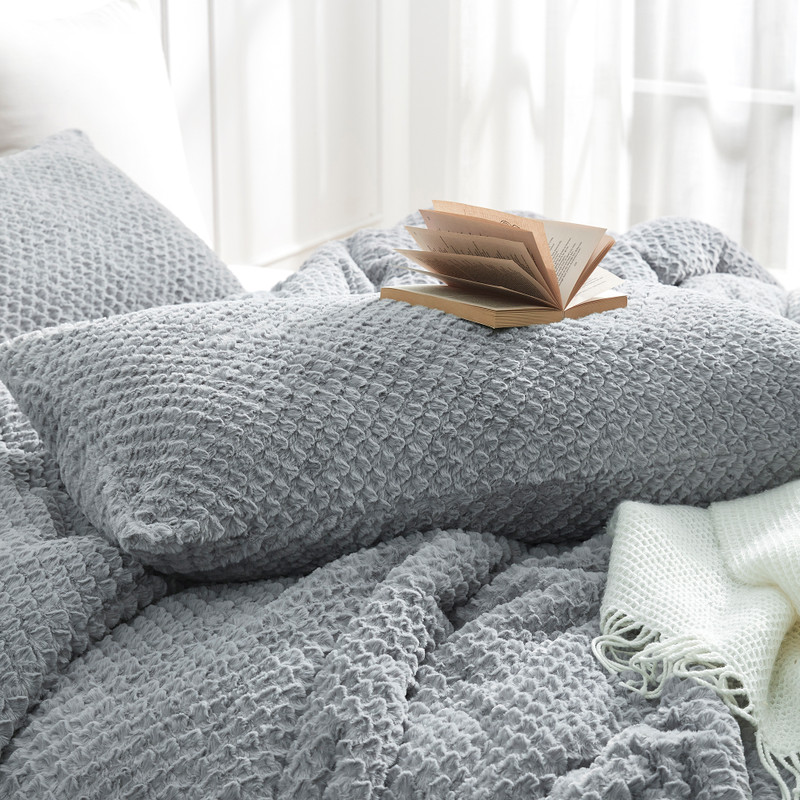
{"x": 260, "y": 436}
{"x": 80, "y": 240}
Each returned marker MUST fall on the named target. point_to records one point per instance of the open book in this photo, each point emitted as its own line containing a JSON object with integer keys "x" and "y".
{"x": 503, "y": 270}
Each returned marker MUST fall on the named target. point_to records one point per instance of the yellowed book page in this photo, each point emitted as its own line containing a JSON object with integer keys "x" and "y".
{"x": 490, "y": 271}
{"x": 606, "y": 243}
{"x": 495, "y": 302}
{"x": 603, "y": 302}
{"x": 483, "y": 246}
{"x": 600, "y": 281}
{"x": 495, "y": 312}
{"x": 460, "y": 223}
{"x": 533, "y": 226}
{"x": 481, "y": 288}
{"x": 571, "y": 247}
{"x": 600, "y": 252}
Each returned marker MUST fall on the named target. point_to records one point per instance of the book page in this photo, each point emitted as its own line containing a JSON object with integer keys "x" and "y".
{"x": 571, "y": 247}
{"x": 510, "y": 222}
{"x": 601, "y": 280}
{"x": 600, "y": 252}
{"x": 489, "y": 294}
{"x": 483, "y": 246}
{"x": 477, "y": 269}
{"x": 495, "y": 302}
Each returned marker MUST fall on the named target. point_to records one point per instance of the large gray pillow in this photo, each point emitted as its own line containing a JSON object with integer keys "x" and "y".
{"x": 80, "y": 240}
{"x": 260, "y": 436}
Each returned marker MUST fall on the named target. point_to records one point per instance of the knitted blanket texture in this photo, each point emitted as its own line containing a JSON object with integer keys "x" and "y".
{"x": 714, "y": 595}
{"x": 452, "y": 661}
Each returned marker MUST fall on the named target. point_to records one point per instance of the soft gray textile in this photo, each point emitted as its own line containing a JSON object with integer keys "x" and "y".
{"x": 444, "y": 665}
{"x": 264, "y": 435}
{"x": 79, "y": 240}
{"x": 62, "y": 586}
{"x": 441, "y": 664}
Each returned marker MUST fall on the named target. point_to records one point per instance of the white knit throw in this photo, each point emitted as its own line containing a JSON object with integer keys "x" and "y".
{"x": 714, "y": 595}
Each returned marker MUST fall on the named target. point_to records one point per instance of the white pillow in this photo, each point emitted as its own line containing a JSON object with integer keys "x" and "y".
{"x": 95, "y": 65}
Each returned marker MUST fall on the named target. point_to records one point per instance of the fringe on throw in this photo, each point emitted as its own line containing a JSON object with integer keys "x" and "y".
{"x": 626, "y": 645}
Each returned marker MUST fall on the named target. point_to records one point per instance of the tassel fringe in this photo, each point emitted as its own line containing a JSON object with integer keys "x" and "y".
{"x": 628, "y": 646}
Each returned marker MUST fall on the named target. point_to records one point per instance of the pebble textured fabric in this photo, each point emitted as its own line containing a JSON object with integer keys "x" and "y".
{"x": 445, "y": 664}
{"x": 442, "y": 665}
{"x": 62, "y": 586}
{"x": 80, "y": 240}
{"x": 77, "y": 240}
{"x": 264, "y": 435}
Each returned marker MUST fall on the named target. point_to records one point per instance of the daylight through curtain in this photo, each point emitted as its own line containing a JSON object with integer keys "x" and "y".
{"x": 612, "y": 112}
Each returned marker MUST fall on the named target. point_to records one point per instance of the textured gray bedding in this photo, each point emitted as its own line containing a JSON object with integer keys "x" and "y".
{"x": 444, "y": 663}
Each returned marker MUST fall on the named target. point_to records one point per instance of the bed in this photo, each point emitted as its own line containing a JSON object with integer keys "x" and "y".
{"x": 308, "y": 543}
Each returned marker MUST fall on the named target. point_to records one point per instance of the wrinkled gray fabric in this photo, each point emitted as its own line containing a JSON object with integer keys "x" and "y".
{"x": 62, "y": 586}
{"x": 79, "y": 240}
{"x": 441, "y": 664}
{"x": 260, "y": 436}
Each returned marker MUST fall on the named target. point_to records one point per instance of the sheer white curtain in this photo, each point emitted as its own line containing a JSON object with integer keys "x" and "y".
{"x": 608, "y": 112}
{"x": 325, "y": 115}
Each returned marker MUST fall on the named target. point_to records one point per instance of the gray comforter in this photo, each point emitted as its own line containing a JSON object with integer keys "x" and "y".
{"x": 442, "y": 663}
